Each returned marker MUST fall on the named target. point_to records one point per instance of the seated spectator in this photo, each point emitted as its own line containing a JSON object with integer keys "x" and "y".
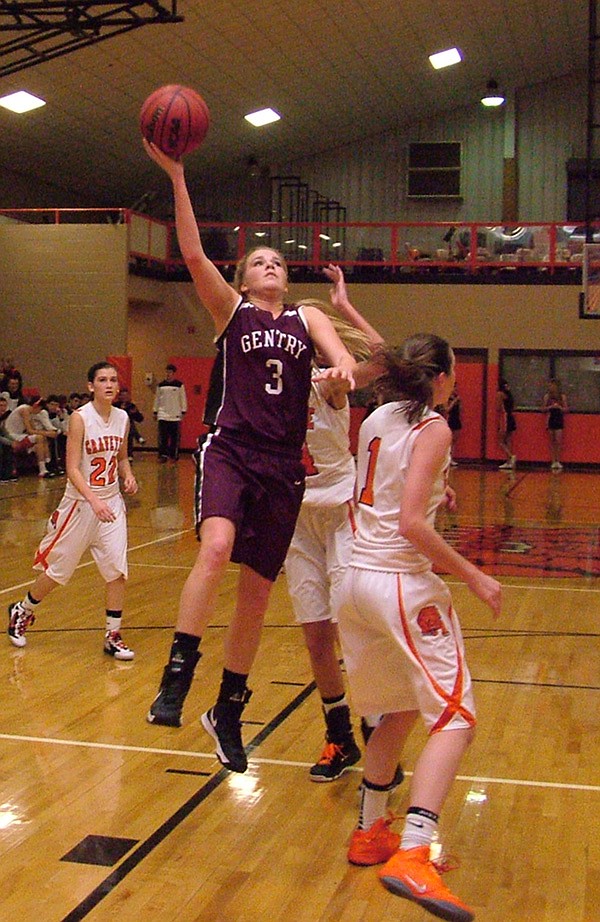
{"x": 12, "y": 389}
{"x": 59, "y": 420}
{"x": 135, "y": 416}
{"x": 19, "y": 426}
{"x": 7, "y": 459}
{"x": 84, "y": 398}
{"x": 73, "y": 403}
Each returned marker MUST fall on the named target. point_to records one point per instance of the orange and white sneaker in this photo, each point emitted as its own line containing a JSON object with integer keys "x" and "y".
{"x": 411, "y": 874}
{"x": 374, "y": 845}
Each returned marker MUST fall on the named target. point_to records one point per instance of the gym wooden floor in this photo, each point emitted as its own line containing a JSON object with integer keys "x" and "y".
{"x": 103, "y": 816}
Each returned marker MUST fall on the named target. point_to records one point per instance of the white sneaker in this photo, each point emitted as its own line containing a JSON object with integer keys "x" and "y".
{"x": 507, "y": 466}
{"x": 115, "y": 646}
{"x": 19, "y": 620}
{"x": 556, "y": 466}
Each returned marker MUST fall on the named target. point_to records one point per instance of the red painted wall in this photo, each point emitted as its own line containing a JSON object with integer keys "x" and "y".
{"x": 124, "y": 366}
{"x": 195, "y": 374}
{"x": 470, "y": 384}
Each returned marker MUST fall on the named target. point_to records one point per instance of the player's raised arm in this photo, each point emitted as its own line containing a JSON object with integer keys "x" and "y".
{"x": 216, "y": 294}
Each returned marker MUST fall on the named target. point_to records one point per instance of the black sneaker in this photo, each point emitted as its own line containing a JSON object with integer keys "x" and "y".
{"x": 335, "y": 759}
{"x": 366, "y": 730}
{"x": 223, "y": 722}
{"x": 175, "y": 684}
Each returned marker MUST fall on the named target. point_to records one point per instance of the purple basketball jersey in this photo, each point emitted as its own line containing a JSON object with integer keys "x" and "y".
{"x": 260, "y": 383}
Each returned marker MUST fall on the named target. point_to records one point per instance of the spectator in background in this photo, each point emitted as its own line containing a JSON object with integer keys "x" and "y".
{"x": 12, "y": 389}
{"x": 454, "y": 422}
{"x": 507, "y": 424}
{"x": 124, "y": 402}
{"x": 74, "y": 402}
{"x": 555, "y": 405}
{"x": 20, "y": 427}
{"x": 59, "y": 420}
{"x": 170, "y": 406}
{"x": 7, "y": 460}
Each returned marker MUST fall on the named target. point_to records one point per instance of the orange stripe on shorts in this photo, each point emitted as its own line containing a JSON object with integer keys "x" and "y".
{"x": 453, "y": 700}
{"x": 43, "y": 557}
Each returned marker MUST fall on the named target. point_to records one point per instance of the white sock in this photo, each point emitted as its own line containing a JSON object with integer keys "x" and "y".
{"x": 419, "y": 828}
{"x": 373, "y": 804}
{"x": 42, "y": 467}
{"x": 331, "y": 703}
{"x": 29, "y": 603}
{"x": 113, "y": 624}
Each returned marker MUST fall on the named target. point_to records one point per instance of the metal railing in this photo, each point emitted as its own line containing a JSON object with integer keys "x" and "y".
{"x": 393, "y": 247}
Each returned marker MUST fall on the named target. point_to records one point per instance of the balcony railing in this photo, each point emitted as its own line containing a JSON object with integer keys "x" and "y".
{"x": 391, "y": 247}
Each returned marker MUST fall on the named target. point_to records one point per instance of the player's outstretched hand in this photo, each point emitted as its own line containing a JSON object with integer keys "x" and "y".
{"x": 341, "y": 376}
{"x": 338, "y": 293}
{"x": 171, "y": 167}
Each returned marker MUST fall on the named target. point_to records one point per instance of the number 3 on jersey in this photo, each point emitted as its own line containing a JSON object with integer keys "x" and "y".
{"x": 275, "y": 369}
{"x": 367, "y": 497}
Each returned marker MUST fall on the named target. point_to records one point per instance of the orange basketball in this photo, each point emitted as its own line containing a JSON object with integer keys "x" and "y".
{"x": 176, "y": 119}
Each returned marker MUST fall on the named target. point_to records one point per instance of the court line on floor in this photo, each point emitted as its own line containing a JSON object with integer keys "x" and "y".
{"x": 284, "y": 763}
{"x": 528, "y": 586}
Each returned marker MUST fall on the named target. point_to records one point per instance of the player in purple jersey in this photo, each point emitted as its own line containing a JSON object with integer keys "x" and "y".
{"x": 251, "y": 474}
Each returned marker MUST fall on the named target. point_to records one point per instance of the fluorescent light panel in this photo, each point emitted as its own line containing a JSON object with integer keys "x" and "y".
{"x": 492, "y": 101}
{"x": 445, "y": 58}
{"x": 262, "y": 117}
{"x": 21, "y": 102}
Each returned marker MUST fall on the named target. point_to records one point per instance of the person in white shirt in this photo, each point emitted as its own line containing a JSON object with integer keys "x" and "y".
{"x": 91, "y": 513}
{"x": 30, "y": 435}
{"x": 170, "y": 406}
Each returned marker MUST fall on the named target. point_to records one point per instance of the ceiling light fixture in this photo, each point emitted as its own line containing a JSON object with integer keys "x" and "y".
{"x": 493, "y": 96}
{"x": 262, "y": 117}
{"x": 21, "y": 102}
{"x": 445, "y": 58}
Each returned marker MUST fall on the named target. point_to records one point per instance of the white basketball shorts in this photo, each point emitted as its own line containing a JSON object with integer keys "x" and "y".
{"x": 403, "y": 647}
{"x": 72, "y": 529}
{"x": 317, "y": 559}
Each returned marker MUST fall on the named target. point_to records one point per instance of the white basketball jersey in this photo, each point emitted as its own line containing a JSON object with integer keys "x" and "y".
{"x": 384, "y": 450}
{"x": 99, "y": 451}
{"x": 330, "y": 468}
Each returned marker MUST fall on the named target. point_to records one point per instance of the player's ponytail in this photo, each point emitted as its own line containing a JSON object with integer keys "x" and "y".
{"x": 410, "y": 371}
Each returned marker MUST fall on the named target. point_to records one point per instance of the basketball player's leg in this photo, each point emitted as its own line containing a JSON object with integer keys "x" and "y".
{"x": 437, "y": 767}
{"x": 196, "y": 606}
{"x": 244, "y": 631}
{"x": 22, "y": 614}
{"x": 114, "y": 645}
{"x": 197, "y": 600}
{"x": 321, "y": 642}
{"x": 223, "y": 720}
{"x": 109, "y": 550}
{"x": 68, "y": 534}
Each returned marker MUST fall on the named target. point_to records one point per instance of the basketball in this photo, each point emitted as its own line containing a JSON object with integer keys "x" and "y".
{"x": 176, "y": 119}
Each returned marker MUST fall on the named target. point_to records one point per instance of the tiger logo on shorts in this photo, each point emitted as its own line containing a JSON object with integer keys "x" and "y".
{"x": 430, "y": 621}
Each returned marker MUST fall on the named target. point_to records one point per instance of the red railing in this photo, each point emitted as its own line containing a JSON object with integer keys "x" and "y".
{"x": 399, "y": 246}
